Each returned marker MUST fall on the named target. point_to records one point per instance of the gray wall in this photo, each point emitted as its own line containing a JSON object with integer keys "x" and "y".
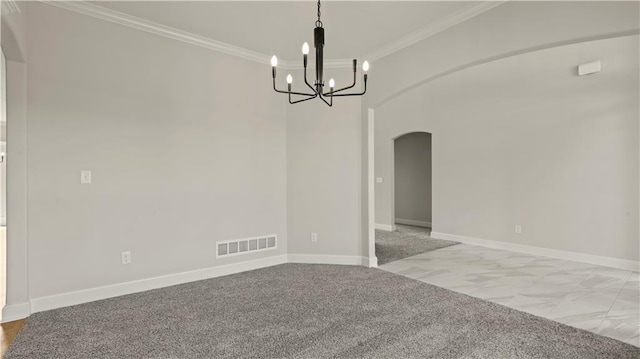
{"x": 512, "y": 28}
{"x": 185, "y": 150}
{"x": 412, "y": 178}
{"x": 323, "y": 175}
{"x": 14, "y": 47}
{"x": 508, "y": 30}
{"x": 524, "y": 140}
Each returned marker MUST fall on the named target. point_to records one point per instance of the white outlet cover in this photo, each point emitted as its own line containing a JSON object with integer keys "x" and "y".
{"x": 314, "y": 237}
{"x": 126, "y": 257}
{"x": 85, "y": 177}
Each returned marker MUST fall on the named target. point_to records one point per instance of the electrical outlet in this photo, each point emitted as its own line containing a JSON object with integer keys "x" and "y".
{"x": 314, "y": 237}
{"x": 85, "y": 177}
{"x": 126, "y": 257}
{"x": 518, "y": 229}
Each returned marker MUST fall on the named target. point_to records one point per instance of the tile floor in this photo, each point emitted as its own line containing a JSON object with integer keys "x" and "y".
{"x": 599, "y": 299}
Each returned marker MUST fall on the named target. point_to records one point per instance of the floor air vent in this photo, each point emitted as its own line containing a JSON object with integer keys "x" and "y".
{"x": 248, "y": 245}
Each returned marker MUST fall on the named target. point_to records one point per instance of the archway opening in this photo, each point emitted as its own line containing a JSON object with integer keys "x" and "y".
{"x": 412, "y": 199}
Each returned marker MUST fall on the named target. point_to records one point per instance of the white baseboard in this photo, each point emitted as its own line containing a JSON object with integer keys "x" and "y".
{"x": 13, "y": 312}
{"x": 328, "y": 259}
{"x": 412, "y": 222}
{"x": 545, "y": 252}
{"x": 384, "y": 227}
{"x": 109, "y": 291}
{"x": 23, "y": 310}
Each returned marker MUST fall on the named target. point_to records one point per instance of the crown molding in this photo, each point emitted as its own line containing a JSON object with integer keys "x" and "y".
{"x": 155, "y": 28}
{"x": 137, "y": 23}
{"x": 9, "y": 7}
{"x": 447, "y": 22}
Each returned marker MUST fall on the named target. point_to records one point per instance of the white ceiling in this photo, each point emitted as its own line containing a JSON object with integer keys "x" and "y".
{"x": 353, "y": 29}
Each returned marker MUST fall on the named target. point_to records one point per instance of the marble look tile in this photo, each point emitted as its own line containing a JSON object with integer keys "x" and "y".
{"x": 436, "y": 274}
{"x": 537, "y": 269}
{"x": 586, "y": 323}
{"x": 484, "y": 278}
{"x": 497, "y": 292}
{"x": 532, "y": 305}
{"x": 578, "y": 267}
{"x": 623, "y": 328}
{"x": 394, "y": 267}
{"x": 630, "y": 292}
{"x": 564, "y": 277}
{"x": 548, "y": 291}
{"x": 449, "y": 281}
{"x": 552, "y": 262}
{"x": 412, "y": 272}
{"x": 597, "y": 281}
{"x": 600, "y": 299}
{"x": 627, "y": 303}
{"x": 579, "y": 314}
{"x": 518, "y": 279}
{"x": 612, "y": 272}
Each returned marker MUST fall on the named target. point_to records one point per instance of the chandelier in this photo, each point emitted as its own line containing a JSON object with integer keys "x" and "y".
{"x": 317, "y": 90}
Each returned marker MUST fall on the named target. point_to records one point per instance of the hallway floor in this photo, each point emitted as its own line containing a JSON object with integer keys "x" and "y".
{"x": 406, "y": 241}
{"x": 602, "y": 300}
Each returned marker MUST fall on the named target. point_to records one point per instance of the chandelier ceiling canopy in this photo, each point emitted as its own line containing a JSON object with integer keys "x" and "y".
{"x": 317, "y": 90}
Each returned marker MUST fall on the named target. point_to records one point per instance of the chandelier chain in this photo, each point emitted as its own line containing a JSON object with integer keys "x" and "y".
{"x": 319, "y": 23}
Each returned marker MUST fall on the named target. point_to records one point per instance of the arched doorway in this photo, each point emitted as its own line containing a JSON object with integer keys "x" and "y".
{"x": 411, "y": 204}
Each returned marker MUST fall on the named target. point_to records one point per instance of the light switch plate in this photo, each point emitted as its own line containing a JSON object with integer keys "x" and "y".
{"x": 85, "y": 177}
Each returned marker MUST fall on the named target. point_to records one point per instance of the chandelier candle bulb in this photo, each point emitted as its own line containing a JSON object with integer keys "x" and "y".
{"x": 332, "y": 83}
{"x": 305, "y": 49}
{"x": 365, "y": 66}
{"x": 289, "y": 79}
{"x": 274, "y": 63}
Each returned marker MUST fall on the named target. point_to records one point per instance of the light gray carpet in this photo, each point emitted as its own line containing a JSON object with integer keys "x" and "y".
{"x": 304, "y": 311}
{"x": 406, "y": 241}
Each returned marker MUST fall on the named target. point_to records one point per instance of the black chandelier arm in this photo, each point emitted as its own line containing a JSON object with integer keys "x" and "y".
{"x": 355, "y": 70}
{"x": 302, "y": 100}
{"x": 330, "y": 104}
{"x": 305, "y": 78}
{"x": 344, "y": 88}
{"x": 291, "y": 92}
{"x": 357, "y": 93}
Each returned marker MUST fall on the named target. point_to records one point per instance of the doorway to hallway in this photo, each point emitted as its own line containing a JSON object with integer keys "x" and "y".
{"x": 412, "y": 179}
{"x": 411, "y": 201}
